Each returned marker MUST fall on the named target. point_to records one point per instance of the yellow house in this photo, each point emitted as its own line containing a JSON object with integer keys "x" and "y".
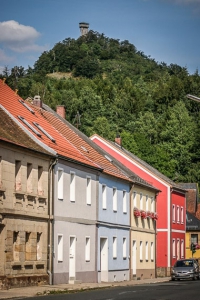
{"x": 192, "y": 236}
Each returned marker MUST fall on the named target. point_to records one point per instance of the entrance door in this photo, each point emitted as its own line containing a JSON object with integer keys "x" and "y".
{"x": 72, "y": 257}
{"x": 134, "y": 258}
{"x": 104, "y": 258}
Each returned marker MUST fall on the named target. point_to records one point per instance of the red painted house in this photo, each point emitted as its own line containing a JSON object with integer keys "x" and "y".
{"x": 171, "y": 205}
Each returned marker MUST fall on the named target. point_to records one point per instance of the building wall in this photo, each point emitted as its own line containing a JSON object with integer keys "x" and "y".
{"x": 117, "y": 266}
{"x": 24, "y": 217}
{"x": 188, "y": 252}
{"x": 114, "y": 224}
{"x": 85, "y": 267}
{"x": 75, "y": 216}
{"x": 164, "y": 258}
{"x": 143, "y": 232}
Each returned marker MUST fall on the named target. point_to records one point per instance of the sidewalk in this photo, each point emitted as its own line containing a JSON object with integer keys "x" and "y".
{"x": 32, "y": 291}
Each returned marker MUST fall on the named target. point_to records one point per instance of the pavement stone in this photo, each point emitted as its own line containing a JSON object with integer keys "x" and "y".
{"x": 31, "y": 291}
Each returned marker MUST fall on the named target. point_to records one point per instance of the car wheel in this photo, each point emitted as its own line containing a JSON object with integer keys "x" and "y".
{"x": 193, "y": 278}
{"x": 173, "y": 279}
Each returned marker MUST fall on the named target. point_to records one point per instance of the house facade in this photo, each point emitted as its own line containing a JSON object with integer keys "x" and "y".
{"x": 110, "y": 203}
{"x": 143, "y": 232}
{"x": 192, "y": 236}
{"x": 24, "y": 206}
{"x": 171, "y": 206}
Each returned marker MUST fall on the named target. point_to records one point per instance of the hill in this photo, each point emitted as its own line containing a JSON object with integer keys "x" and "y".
{"x": 111, "y": 88}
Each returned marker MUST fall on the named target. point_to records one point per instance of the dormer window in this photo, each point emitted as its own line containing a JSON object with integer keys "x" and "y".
{"x": 29, "y": 125}
{"x": 44, "y": 131}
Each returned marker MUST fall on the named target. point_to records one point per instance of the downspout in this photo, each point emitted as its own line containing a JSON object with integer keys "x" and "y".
{"x": 50, "y": 220}
{"x": 130, "y": 222}
{"x": 155, "y": 240}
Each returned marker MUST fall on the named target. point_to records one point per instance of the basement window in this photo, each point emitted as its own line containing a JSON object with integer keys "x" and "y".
{"x": 29, "y": 125}
{"x": 24, "y": 104}
{"x": 44, "y": 131}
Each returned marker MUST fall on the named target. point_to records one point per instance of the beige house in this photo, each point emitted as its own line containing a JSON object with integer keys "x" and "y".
{"x": 143, "y": 232}
{"x": 24, "y": 206}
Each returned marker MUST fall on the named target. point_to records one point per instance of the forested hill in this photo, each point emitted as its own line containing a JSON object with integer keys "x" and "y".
{"x": 110, "y": 88}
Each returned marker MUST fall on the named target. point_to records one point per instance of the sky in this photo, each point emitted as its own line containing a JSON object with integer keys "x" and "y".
{"x": 165, "y": 30}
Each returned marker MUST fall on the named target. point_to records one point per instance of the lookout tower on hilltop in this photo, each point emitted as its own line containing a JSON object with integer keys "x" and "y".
{"x": 84, "y": 28}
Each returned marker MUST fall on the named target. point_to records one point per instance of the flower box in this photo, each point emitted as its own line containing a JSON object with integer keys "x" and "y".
{"x": 136, "y": 212}
{"x": 143, "y": 214}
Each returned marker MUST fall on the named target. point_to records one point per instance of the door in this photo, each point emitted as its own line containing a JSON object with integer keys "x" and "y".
{"x": 134, "y": 258}
{"x": 104, "y": 258}
{"x": 72, "y": 257}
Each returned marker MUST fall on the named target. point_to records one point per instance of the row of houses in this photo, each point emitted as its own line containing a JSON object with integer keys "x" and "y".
{"x": 74, "y": 208}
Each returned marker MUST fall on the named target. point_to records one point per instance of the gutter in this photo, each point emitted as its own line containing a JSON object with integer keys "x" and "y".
{"x": 50, "y": 235}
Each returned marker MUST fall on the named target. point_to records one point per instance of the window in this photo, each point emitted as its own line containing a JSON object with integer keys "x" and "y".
{"x": 147, "y": 251}
{"x": 88, "y": 191}
{"x": 124, "y": 202}
{"x": 39, "y": 246}
{"x": 87, "y": 249}
{"x": 141, "y": 201}
{"x": 152, "y": 204}
{"x": 173, "y": 248}
{"x": 141, "y": 250}
{"x": 44, "y": 131}
{"x": 28, "y": 246}
{"x": 178, "y": 248}
{"x": 18, "y": 183}
{"x": 147, "y": 203}
{"x": 114, "y": 199}
{"x": 124, "y": 247}
{"x": 29, "y": 182}
{"x": 178, "y": 214}
{"x": 134, "y": 199}
{"x": 40, "y": 181}
{"x": 173, "y": 213}
{"x": 60, "y": 247}
{"x": 194, "y": 238}
{"x": 152, "y": 251}
{"x": 72, "y": 187}
{"x": 182, "y": 218}
{"x": 60, "y": 184}
{"x": 182, "y": 249}
{"x": 16, "y": 243}
{"x": 104, "y": 198}
{"x": 114, "y": 247}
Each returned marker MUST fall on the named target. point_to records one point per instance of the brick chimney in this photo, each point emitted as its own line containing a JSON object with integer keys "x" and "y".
{"x": 118, "y": 140}
{"x": 37, "y": 101}
{"x": 60, "y": 109}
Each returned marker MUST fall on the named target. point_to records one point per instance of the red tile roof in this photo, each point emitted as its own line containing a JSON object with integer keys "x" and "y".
{"x": 10, "y": 101}
{"x": 12, "y": 133}
{"x": 84, "y": 145}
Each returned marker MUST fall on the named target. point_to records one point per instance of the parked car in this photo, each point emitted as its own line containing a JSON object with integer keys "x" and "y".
{"x": 185, "y": 269}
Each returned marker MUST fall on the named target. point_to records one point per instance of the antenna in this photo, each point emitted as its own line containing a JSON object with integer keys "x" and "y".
{"x": 77, "y": 119}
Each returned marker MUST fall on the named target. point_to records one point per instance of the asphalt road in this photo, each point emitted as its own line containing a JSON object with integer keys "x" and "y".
{"x": 178, "y": 290}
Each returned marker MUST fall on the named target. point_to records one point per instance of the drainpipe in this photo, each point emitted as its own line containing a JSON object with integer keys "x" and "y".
{"x": 50, "y": 220}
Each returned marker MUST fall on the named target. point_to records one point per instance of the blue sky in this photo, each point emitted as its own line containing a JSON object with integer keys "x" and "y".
{"x": 165, "y": 30}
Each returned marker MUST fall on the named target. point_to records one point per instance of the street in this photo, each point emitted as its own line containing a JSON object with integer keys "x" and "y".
{"x": 177, "y": 290}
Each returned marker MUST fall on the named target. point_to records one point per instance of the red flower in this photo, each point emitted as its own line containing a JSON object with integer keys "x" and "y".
{"x": 136, "y": 212}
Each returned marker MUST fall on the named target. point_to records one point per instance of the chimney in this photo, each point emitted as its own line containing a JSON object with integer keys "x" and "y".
{"x": 118, "y": 140}
{"x": 37, "y": 101}
{"x": 60, "y": 109}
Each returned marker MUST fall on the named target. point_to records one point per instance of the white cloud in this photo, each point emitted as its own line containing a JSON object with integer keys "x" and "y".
{"x": 18, "y": 37}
